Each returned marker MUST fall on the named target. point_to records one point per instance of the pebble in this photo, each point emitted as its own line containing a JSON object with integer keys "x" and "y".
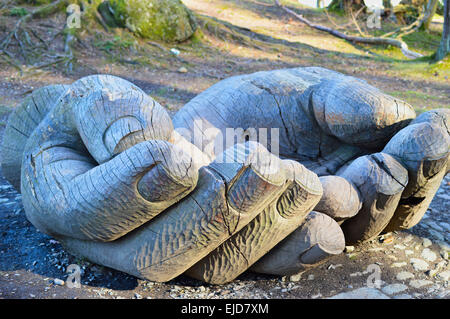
{"x": 426, "y": 242}
{"x": 394, "y": 289}
{"x": 311, "y": 277}
{"x": 427, "y": 254}
{"x": 399, "y": 247}
{"x": 58, "y": 282}
{"x": 404, "y": 275}
{"x": 349, "y": 249}
{"x": 408, "y": 239}
{"x": 419, "y": 264}
{"x": 361, "y": 293}
{"x": 137, "y": 296}
{"x": 400, "y": 264}
{"x": 420, "y": 283}
{"x": 296, "y": 277}
{"x": 445, "y": 275}
{"x": 334, "y": 266}
{"x": 175, "y": 51}
{"x": 182, "y": 70}
{"x": 408, "y": 252}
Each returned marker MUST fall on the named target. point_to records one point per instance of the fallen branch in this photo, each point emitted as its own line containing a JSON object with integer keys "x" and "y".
{"x": 367, "y": 40}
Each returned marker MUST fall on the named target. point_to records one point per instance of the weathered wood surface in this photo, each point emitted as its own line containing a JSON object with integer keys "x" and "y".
{"x": 102, "y": 168}
{"x": 318, "y": 112}
{"x": 340, "y": 200}
{"x": 21, "y": 123}
{"x": 424, "y": 149}
{"x": 317, "y": 239}
{"x": 298, "y": 195}
{"x": 380, "y": 179}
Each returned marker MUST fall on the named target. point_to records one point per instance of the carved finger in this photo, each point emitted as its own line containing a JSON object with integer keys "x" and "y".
{"x": 317, "y": 239}
{"x": 300, "y": 194}
{"x": 21, "y": 123}
{"x": 424, "y": 149}
{"x": 340, "y": 199}
{"x": 380, "y": 180}
{"x": 66, "y": 194}
{"x": 186, "y": 232}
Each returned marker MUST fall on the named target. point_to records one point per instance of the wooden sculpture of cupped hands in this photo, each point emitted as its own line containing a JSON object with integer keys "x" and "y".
{"x": 102, "y": 167}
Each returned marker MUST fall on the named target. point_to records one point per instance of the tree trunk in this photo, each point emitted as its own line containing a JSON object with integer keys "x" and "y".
{"x": 444, "y": 47}
{"x": 429, "y": 13}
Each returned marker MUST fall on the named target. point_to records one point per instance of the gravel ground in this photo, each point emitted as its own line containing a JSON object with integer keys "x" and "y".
{"x": 411, "y": 264}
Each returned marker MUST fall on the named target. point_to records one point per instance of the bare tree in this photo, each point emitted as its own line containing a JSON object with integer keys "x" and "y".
{"x": 429, "y": 13}
{"x": 444, "y": 47}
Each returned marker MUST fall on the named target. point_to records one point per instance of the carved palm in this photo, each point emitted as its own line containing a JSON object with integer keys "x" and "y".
{"x": 102, "y": 168}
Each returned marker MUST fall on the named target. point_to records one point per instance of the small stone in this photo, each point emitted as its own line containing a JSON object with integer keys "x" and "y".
{"x": 445, "y": 275}
{"x": 58, "y": 282}
{"x": 428, "y": 255}
{"x": 175, "y": 51}
{"x": 387, "y": 239}
{"x": 137, "y": 296}
{"x": 401, "y": 247}
{"x": 426, "y": 242}
{"x": 419, "y": 264}
{"x": 361, "y": 293}
{"x": 409, "y": 252}
{"x": 295, "y": 277}
{"x": 399, "y": 264}
{"x": 420, "y": 283}
{"x": 404, "y": 275}
{"x": 356, "y": 274}
{"x": 32, "y": 296}
{"x": 349, "y": 249}
{"x": 394, "y": 289}
{"x": 334, "y": 266}
{"x": 311, "y": 277}
{"x": 182, "y": 70}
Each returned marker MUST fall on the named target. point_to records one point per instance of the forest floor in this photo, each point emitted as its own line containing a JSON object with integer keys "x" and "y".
{"x": 234, "y": 37}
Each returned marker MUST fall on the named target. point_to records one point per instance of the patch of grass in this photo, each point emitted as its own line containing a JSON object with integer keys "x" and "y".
{"x": 423, "y": 42}
{"x": 17, "y": 12}
{"x": 420, "y": 101}
{"x": 115, "y": 44}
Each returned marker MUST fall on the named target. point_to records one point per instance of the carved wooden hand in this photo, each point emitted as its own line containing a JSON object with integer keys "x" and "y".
{"x": 102, "y": 168}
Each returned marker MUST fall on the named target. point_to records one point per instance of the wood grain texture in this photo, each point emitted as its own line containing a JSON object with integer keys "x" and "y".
{"x": 65, "y": 191}
{"x": 317, "y": 111}
{"x": 174, "y": 241}
{"x": 424, "y": 149}
{"x": 103, "y": 169}
{"x": 340, "y": 200}
{"x": 317, "y": 239}
{"x": 299, "y": 194}
{"x": 380, "y": 180}
{"x": 21, "y": 123}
